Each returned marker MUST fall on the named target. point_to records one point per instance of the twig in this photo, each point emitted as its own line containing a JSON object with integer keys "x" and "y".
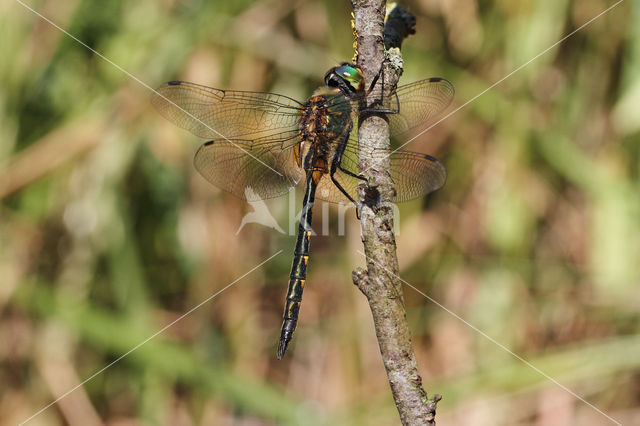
{"x": 379, "y": 281}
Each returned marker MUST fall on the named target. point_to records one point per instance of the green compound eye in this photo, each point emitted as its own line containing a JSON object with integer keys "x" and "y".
{"x": 350, "y": 73}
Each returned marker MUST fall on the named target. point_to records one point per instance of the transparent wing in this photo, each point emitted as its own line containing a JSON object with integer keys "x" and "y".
{"x": 251, "y": 169}
{"x": 213, "y": 114}
{"x": 419, "y": 105}
{"x": 413, "y": 174}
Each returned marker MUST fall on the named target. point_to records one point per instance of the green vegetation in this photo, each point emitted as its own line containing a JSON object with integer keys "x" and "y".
{"x": 108, "y": 234}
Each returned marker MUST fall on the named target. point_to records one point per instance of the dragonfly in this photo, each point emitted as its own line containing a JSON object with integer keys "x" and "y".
{"x": 262, "y": 144}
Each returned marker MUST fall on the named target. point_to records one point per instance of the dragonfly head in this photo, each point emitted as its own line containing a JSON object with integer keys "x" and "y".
{"x": 347, "y": 78}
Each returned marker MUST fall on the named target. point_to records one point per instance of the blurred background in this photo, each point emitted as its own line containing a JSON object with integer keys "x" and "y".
{"x": 107, "y": 233}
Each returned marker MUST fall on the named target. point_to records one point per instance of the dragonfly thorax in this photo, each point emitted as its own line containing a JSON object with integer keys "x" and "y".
{"x": 325, "y": 120}
{"x": 314, "y": 121}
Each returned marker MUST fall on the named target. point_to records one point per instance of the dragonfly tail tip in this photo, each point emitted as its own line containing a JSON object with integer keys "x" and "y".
{"x": 288, "y": 326}
{"x": 282, "y": 348}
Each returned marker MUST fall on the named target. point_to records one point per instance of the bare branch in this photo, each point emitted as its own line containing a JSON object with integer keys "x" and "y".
{"x": 379, "y": 281}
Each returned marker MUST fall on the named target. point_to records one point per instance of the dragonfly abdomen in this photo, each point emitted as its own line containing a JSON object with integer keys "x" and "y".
{"x": 298, "y": 275}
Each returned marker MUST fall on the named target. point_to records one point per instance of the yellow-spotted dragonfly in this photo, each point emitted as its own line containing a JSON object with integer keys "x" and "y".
{"x": 268, "y": 143}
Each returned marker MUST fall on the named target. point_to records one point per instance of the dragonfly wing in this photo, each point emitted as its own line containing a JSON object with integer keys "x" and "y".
{"x": 411, "y": 108}
{"x": 420, "y": 105}
{"x": 251, "y": 169}
{"x": 417, "y": 105}
{"x": 414, "y": 175}
{"x": 225, "y": 114}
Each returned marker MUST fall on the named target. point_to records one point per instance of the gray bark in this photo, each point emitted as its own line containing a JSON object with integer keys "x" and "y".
{"x": 379, "y": 282}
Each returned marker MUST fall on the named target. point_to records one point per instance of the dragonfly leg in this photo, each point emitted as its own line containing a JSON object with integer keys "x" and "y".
{"x": 375, "y": 79}
{"x": 346, "y": 194}
{"x": 337, "y": 184}
{"x": 380, "y": 102}
{"x": 350, "y": 173}
{"x": 371, "y": 109}
{"x": 336, "y": 163}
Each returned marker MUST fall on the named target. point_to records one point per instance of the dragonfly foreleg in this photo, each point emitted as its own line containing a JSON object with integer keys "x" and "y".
{"x": 372, "y": 107}
{"x": 377, "y": 77}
